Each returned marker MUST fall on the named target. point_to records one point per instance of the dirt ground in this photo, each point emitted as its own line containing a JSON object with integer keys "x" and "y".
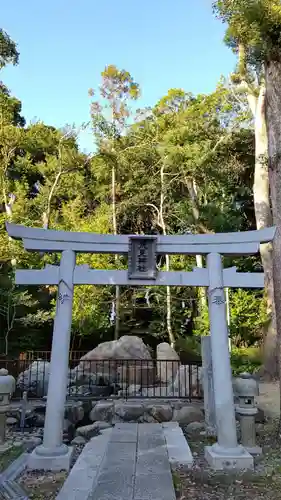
{"x": 201, "y": 483}
{"x": 42, "y": 486}
{"x": 269, "y": 399}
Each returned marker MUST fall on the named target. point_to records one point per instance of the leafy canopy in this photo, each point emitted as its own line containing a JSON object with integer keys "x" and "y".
{"x": 8, "y": 50}
{"x": 256, "y": 24}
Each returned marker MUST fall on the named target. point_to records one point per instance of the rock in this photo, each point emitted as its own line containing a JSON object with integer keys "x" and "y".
{"x": 35, "y": 379}
{"x": 80, "y": 376}
{"x": 82, "y": 390}
{"x": 168, "y": 363}
{"x": 162, "y": 413}
{"x": 129, "y": 411}
{"x": 89, "y": 431}
{"x": 75, "y": 413}
{"x": 133, "y": 390}
{"x": 147, "y": 418}
{"x": 30, "y": 419}
{"x": 94, "y": 390}
{"x": 127, "y": 347}
{"x": 33, "y": 441}
{"x": 11, "y": 421}
{"x": 40, "y": 420}
{"x": 78, "y": 440}
{"x": 101, "y": 426}
{"x": 142, "y": 373}
{"x": 17, "y": 444}
{"x": 195, "y": 427}
{"x": 66, "y": 425}
{"x": 186, "y": 383}
{"x": 188, "y": 414}
{"x": 155, "y": 392}
{"x": 106, "y": 431}
{"x": 104, "y": 358}
{"x": 103, "y": 411}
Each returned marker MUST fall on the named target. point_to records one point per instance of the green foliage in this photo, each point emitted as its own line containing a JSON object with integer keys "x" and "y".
{"x": 245, "y": 359}
{"x": 8, "y": 50}
{"x": 248, "y": 318}
{"x": 204, "y": 147}
{"x": 256, "y": 24}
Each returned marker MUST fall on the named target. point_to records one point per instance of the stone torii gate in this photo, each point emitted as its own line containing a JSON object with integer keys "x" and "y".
{"x": 142, "y": 252}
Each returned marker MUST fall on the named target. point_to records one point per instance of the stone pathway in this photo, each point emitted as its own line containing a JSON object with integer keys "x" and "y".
{"x": 128, "y": 462}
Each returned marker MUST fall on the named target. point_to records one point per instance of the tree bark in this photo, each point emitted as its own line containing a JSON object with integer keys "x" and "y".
{"x": 273, "y": 123}
{"x": 114, "y": 222}
{"x": 167, "y": 258}
{"x": 193, "y": 194}
{"x": 264, "y": 219}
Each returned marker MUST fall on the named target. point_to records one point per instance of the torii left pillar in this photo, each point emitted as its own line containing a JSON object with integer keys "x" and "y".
{"x": 53, "y": 454}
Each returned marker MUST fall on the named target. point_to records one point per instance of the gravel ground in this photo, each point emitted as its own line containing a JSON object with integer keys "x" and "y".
{"x": 201, "y": 483}
{"x": 41, "y": 485}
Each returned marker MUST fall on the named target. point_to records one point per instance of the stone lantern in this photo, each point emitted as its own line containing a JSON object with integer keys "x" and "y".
{"x": 7, "y": 387}
{"x": 246, "y": 389}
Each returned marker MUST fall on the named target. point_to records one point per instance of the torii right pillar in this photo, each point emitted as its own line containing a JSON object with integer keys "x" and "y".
{"x": 225, "y": 453}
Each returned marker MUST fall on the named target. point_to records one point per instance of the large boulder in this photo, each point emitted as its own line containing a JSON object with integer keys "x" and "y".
{"x": 186, "y": 383}
{"x": 139, "y": 373}
{"x": 168, "y": 363}
{"x": 35, "y": 378}
{"x": 188, "y": 414}
{"x": 127, "y": 347}
{"x": 103, "y": 360}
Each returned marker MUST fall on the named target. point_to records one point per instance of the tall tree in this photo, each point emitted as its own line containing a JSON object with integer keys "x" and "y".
{"x": 8, "y": 50}
{"x": 254, "y": 33}
{"x": 117, "y": 89}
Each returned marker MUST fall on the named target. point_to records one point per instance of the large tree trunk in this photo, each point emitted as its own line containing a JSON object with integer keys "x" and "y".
{"x": 193, "y": 194}
{"x": 273, "y": 122}
{"x": 264, "y": 219}
{"x": 167, "y": 259}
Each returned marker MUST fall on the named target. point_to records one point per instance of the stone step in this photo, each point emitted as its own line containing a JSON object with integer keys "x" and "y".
{"x": 136, "y": 465}
{"x": 129, "y": 462}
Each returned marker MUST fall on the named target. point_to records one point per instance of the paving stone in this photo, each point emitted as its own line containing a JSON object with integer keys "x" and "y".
{"x": 133, "y": 465}
{"x": 83, "y": 475}
{"x": 120, "y": 451}
{"x": 150, "y": 436}
{"x": 153, "y": 461}
{"x": 151, "y": 486}
{"x": 178, "y": 449}
{"x": 116, "y": 480}
{"x": 124, "y": 433}
{"x": 118, "y": 490}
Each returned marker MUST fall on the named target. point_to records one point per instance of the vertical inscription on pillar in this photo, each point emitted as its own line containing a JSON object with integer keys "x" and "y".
{"x": 142, "y": 257}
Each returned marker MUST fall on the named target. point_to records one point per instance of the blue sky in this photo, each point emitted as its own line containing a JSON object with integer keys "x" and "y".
{"x": 65, "y": 44}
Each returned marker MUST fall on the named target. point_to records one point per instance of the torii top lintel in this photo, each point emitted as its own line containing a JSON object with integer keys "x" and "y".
{"x": 46, "y": 240}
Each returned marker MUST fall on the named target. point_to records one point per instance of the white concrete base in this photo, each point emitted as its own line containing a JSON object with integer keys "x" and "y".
{"x": 50, "y": 463}
{"x": 256, "y": 450}
{"x": 237, "y": 459}
{"x": 178, "y": 450}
